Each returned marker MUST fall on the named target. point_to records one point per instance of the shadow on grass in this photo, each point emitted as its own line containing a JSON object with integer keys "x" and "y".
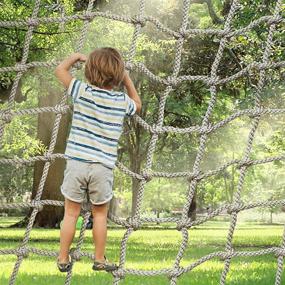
{"x": 146, "y": 250}
{"x": 240, "y": 274}
{"x": 246, "y": 272}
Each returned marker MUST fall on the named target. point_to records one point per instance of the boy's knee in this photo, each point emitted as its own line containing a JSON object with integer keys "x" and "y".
{"x": 99, "y": 209}
{"x": 72, "y": 209}
{"x": 71, "y": 216}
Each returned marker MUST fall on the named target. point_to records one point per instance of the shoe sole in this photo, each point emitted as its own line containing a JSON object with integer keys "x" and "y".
{"x": 104, "y": 269}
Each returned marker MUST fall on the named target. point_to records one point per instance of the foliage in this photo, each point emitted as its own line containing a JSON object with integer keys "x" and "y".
{"x": 19, "y": 141}
{"x": 161, "y": 195}
{"x": 185, "y": 105}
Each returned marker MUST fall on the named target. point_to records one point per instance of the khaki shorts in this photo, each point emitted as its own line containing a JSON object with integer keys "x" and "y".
{"x": 81, "y": 176}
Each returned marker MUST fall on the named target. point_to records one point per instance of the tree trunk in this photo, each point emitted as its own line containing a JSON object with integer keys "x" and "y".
{"x": 227, "y": 190}
{"x": 271, "y": 217}
{"x": 50, "y": 216}
{"x": 232, "y": 189}
{"x": 157, "y": 215}
{"x": 135, "y": 188}
{"x": 193, "y": 208}
{"x": 135, "y": 153}
{"x": 113, "y": 208}
{"x": 6, "y": 91}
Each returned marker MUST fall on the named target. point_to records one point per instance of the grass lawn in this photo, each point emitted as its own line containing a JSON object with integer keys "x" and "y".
{"x": 150, "y": 249}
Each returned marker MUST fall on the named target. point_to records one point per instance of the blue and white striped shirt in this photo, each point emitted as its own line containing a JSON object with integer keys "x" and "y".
{"x": 97, "y": 122}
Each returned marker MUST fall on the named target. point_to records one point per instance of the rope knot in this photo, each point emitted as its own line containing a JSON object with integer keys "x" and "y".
{"x": 78, "y": 65}
{"x": 245, "y": 162}
{"x": 33, "y": 22}
{"x": 75, "y": 254}
{"x": 37, "y": 204}
{"x": 58, "y": 109}
{"x": 180, "y": 34}
{"x": 225, "y": 33}
{"x": 227, "y": 254}
{"x": 234, "y": 208}
{"x": 212, "y": 81}
{"x": 129, "y": 65}
{"x": 275, "y": 20}
{"x": 193, "y": 176}
{"x": 119, "y": 273}
{"x": 171, "y": 81}
{"x": 147, "y": 175}
{"x": 256, "y": 112}
{"x": 138, "y": 20}
{"x": 88, "y": 16}
{"x": 49, "y": 157}
{"x": 22, "y": 251}
{"x": 133, "y": 223}
{"x": 154, "y": 129}
{"x": 7, "y": 117}
{"x": 280, "y": 252}
{"x": 181, "y": 224}
{"x": 206, "y": 129}
{"x": 21, "y": 67}
{"x": 175, "y": 272}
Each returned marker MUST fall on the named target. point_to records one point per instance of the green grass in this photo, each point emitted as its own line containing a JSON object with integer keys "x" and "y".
{"x": 8, "y": 221}
{"x": 150, "y": 249}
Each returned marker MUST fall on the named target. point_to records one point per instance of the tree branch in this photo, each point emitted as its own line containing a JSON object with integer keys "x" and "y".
{"x": 212, "y": 12}
{"x": 178, "y": 115}
{"x": 237, "y": 61}
{"x": 40, "y": 33}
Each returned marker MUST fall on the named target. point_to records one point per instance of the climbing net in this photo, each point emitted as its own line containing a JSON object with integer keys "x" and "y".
{"x": 204, "y": 130}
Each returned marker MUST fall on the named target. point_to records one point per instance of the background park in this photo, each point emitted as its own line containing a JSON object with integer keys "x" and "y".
{"x": 153, "y": 246}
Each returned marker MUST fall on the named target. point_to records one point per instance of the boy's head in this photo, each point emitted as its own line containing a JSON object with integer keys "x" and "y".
{"x": 104, "y": 67}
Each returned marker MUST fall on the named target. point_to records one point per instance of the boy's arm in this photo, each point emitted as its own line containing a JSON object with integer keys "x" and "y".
{"x": 62, "y": 70}
{"x": 132, "y": 92}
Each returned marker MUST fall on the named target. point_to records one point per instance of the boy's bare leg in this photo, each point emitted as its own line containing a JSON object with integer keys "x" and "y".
{"x": 68, "y": 227}
{"x": 99, "y": 231}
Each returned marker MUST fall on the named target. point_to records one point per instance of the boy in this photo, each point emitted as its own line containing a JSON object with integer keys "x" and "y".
{"x": 91, "y": 149}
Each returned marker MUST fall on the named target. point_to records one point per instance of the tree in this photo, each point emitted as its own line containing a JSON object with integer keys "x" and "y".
{"x": 185, "y": 106}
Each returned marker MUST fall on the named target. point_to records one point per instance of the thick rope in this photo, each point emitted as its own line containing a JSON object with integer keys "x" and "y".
{"x": 194, "y": 176}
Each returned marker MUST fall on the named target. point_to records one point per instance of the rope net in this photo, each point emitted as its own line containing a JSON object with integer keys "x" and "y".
{"x": 204, "y": 130}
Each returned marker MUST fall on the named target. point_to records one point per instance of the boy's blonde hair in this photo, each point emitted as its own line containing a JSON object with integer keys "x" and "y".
{"x": 104, "y": 67}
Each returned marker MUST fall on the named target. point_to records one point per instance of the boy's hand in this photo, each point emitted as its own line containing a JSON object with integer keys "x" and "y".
{"x": 79, "y": 56}
{"x": 62, "y": 70}
{"x": 126, "y": 76}
{"x": 131, "y": 90}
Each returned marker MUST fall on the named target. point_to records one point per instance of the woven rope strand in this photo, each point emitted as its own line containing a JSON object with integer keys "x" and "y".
{"x": 255, "y": 122}
{"x": 204, "y": 130}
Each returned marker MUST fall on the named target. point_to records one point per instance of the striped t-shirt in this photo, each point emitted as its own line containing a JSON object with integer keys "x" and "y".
{"x": 97, "y": 122}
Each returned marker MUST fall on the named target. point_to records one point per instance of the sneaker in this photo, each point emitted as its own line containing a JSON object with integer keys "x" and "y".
{"x": 64, "y": 267}
{"x": 104, "y": 265}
